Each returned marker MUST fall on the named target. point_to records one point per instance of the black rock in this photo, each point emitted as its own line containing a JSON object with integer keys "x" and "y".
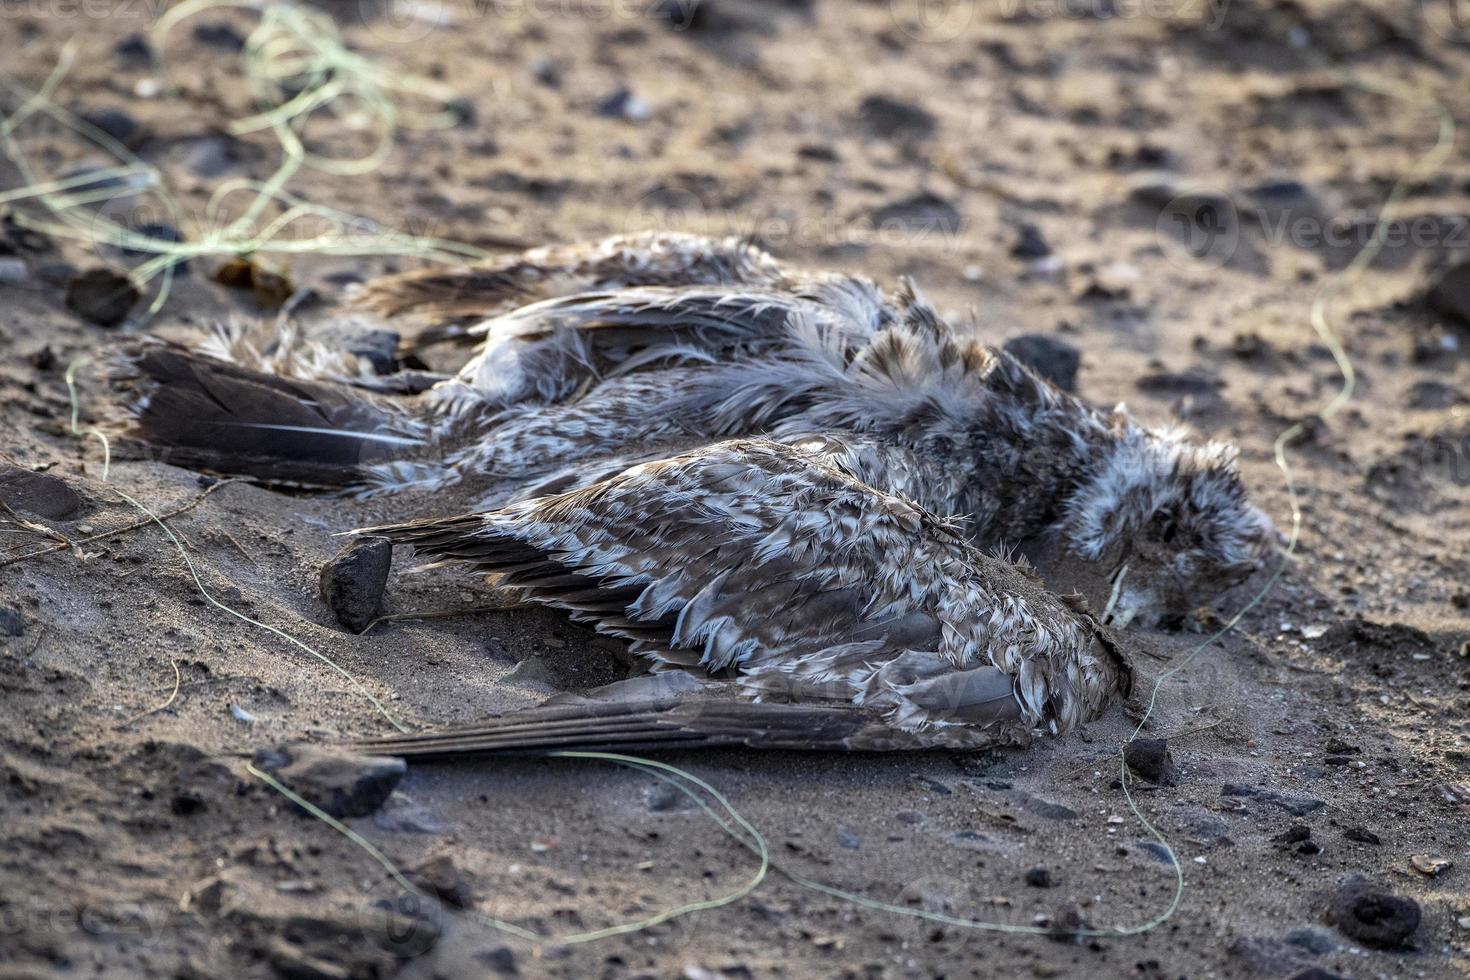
{"x": 1149, "y": 758}
{"x": 38, "y": 493}
{"x": 133, "y": 50}
{"x": 1039, "y": 878}
{"x": 923, "y": 213}
{"x": 1360, "y": 836}
{"x": 219, "y": 35}
{"x": 101, "y": 296}
{"x": 501, "y": 959}
{"x": 161, "y": 232}
{"x": 1293, "y": 835}
{"x": 1055, "y": 360}
{"x": 1372, "y": 917}
{"x": 896, "y": 120}
{"x": 118, "y": 124}
{"x": 1449, "y": 293}
{"x": 12, "y": 623}
{"x": 341, "y": 783}
{"x": 352, "y": 583}
{"x": 1029, "y": 243}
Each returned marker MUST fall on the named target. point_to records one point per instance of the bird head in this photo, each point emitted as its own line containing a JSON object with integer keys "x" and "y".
{"x": 1168, "y": 523}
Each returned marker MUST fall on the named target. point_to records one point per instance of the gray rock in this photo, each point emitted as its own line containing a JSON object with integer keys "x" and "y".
{"x": 38, "y": 493}
{"x": 352, "y": 583}
{"x": 894, "y": 119}
{"x": 1055, "y": 360}
{"x": 1203, "y": 825}
{"x": 341, "y": 783}
{"x": 12, "y": 623}
{"x": 848, "y": 838}
{"x": 1149, "y": 758}
{"x": 661, "y": 797}
{"x": 501, "y": 959}
{"x": 1297, "y": 806}
{"x": 119, "y": 124}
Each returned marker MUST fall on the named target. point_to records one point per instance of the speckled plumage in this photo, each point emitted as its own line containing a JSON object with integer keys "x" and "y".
{"x": 791, "y": 484}
{"x": 775, "y": 565}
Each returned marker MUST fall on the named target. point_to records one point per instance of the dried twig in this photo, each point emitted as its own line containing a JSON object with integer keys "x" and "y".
{"x": 41, "y": 529}
{"x": 185, "y": 508}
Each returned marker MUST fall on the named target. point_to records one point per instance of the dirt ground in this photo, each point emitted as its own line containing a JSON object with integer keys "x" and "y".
{"x": 894, "y": 139}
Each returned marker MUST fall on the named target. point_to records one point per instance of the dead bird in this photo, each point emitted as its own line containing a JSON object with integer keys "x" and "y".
{"x": 639, "y": 347}
{"x": 813, "y": 611}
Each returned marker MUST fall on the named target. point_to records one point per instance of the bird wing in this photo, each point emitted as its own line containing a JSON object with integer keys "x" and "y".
{"x": 551, "y": 349}
{"x": 767, "y": 559}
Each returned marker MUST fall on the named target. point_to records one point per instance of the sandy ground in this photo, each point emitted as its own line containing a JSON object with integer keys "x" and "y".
{"x": 135, "y": 844}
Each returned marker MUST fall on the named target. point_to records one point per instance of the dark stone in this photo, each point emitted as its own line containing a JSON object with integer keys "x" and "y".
{"x": 623, "y": 104}
{"x": 1055, "y": 360}
{"x": 119, "y": 124}
{"x": 1149, "y": 758}
{"x": 439, "y": 877}
{"x": 38, "y": 493}
{"x": 133, "y": 50}
{"x": 12, "y": 623}
{"x": 1337, "y": 746}
{"x": 1039, "y": 878}
{"x": 1066, "y": 925}
{"x": 341, "y": 783}
{"x": 1360, "y": 836}
{"x": 1293, "y": 835}
{"x": 923, "y": 212}
{"x": 1449, "y": 293}
{"x": 1372, "y": 917}
{"x": 501, "y": 959}
{"x": 911, "y": 817}
{"x": 220, "y": 35}
{"x": 1029, "y": 243}
{"x": 352, "y": 583}
{"x": 187, "y": 803}
{"x": 101, "y": 296}
{"x": 1195, "y": 383}
{"x": 1297, "y": 806}
{"x": 896, "y": 120}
